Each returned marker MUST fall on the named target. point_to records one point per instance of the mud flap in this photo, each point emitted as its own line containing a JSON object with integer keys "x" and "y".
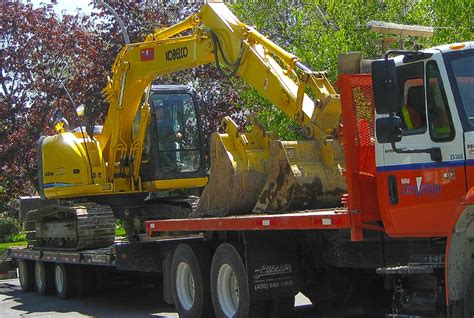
{"x": 272, "y": 265}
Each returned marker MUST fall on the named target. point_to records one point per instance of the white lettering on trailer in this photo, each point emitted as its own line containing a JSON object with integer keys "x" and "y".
{"x": 266, "y": 222}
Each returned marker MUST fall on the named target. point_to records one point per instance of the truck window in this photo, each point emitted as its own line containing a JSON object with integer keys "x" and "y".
{"x": 439, "y": 116}
{"x": 413, "y": 110}
{"x": 461, "y": 70}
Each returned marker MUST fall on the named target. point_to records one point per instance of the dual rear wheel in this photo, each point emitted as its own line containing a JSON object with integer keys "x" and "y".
{"x": 206, "y": 286}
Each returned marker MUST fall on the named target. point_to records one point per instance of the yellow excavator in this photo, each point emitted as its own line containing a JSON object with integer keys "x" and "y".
{"x": 151, "y": 142}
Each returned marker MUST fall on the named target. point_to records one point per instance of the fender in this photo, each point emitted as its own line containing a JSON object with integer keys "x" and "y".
{"x": 459, "y": 266}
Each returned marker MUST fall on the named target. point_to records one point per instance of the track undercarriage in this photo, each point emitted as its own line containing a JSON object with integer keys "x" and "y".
{"x": 71, "y": 227}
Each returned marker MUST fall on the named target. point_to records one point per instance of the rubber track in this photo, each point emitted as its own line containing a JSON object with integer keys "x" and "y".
{"x": 95, "y": 225}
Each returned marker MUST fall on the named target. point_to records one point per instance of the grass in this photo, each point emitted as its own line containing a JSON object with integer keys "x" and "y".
{"x": 4, "y": 246}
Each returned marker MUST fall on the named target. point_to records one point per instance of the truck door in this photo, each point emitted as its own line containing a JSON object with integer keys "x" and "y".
{"x": 418, "y": 192}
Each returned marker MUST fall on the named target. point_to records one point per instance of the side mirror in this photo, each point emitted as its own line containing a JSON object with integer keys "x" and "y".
{"x": 385, "y": 87}
{"x": 388, "y": 129}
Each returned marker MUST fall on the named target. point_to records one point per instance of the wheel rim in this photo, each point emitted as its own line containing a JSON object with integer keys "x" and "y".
{"x": 23, "y": 272}
{"x": 185, "y": 287}
{"x": 59, "y": 279}
{"x": 39, "y": 274}
{"x": 228, "y": 290}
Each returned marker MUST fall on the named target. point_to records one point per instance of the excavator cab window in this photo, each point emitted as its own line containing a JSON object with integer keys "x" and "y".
{"x": 175, "y": 133}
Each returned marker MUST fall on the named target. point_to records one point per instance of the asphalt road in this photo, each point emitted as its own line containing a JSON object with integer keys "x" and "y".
{"x": 118, "y": 302}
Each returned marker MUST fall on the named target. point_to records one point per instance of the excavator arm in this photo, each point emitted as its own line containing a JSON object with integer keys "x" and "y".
{"x": 217, "y": 35}
{"x": 214, "y": 34}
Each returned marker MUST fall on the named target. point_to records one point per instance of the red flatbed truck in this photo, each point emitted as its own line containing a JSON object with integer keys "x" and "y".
{"x": 404, "y": 239}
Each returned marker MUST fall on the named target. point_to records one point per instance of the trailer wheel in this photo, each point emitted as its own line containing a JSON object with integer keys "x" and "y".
{"x": 64, "y": 280}
{"x": 44, "y": 278}
{"x": 85, "y": 281}
{"x": 190, "y": 269}
{"x": 26, "y": 273}
{"x": 230, "y": 288}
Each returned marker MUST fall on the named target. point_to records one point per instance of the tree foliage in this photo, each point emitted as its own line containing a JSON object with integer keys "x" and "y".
{"x": 39, "y": 52}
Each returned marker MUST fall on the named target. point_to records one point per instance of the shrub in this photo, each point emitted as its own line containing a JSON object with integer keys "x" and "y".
{"x": 9, "y": 228}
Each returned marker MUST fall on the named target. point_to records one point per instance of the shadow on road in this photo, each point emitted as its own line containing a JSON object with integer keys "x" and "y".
{"x": 117, "y": 301}
{"x": 111, "y": 302}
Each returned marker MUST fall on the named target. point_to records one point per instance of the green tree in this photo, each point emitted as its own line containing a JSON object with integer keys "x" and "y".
{"x": 317, "y": 31}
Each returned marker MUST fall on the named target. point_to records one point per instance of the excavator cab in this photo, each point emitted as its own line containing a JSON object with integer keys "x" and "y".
{"x": 173, "y": 147}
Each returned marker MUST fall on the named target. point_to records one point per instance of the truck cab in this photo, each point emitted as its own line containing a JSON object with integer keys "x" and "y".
{"x": 423, "y": 169}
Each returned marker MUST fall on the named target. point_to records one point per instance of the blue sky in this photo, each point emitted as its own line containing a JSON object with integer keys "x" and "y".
{"x": 69, "y": 5}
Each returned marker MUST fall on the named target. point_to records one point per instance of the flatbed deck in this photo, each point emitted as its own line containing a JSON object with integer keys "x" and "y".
{"x": 337, "y": 218}
{"x": 114, "y": 256}
{"x": 101, "y": 256}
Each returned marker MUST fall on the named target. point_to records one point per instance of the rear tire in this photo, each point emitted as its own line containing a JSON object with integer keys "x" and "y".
{"x": 26, "y": 273}
{"x": 190, "y": 270}
{"x": 44, "y": 277}
{"x": 64, "y": 280}
{"x": 230, "y": 288}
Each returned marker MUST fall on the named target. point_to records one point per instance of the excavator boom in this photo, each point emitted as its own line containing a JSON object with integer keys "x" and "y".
{"x": 249, "y": 171}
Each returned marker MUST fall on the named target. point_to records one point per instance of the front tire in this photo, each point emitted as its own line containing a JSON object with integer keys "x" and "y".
{"x": 26, "y": 273}
{"x": 469, "y": 297}
{"x": 44, "y": 278}
{"x": 190, "y": 270}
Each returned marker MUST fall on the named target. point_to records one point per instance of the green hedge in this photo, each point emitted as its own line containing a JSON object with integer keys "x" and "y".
{"x": 10, "y": 228}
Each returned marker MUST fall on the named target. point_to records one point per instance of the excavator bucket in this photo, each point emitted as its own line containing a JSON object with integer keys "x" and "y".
{"x": 299, "y": 180}
{"x": 254, "y": 172}
{"x": 238, "y": 171}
